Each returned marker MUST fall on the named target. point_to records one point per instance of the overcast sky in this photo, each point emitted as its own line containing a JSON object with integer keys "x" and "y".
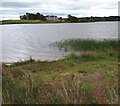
{"x": 12, "y": 9}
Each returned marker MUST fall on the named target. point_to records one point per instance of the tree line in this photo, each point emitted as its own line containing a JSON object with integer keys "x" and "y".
{"x": 69, "y": 19}
{"x": 92, "y": 19}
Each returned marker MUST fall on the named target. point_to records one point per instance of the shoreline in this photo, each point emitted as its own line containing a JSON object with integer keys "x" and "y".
{"x": 69, "y": 46}
{"x": 8, "y": 22}
{"x": 94, "y": 71}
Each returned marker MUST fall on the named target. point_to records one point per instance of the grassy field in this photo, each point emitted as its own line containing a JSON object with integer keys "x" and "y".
{"x": 20, "y": 22}
{"x": 88, "y": 77}
{"x": 26, "y": 22}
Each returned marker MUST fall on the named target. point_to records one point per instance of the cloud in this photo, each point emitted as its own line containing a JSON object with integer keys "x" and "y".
{"x": 60, "y": 7}
{"x": 17, "y": 4}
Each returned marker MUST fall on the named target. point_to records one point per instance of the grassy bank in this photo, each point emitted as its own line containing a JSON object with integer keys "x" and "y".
{"x": 86, "y": 78}
{"x": 26, "y": 22}
{"x": 20, "y": 22}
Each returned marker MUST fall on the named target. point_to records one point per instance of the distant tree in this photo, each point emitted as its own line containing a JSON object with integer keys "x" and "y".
{"x": 31, "y": 16}
{"x": 72, "y": 18}
{"x": 91, "y": 19}
{"x": 69, "y": 16}
{"x": 23, "y": 17}
{"x": 60, "y": 18}
{"x": 83, "y": 19}
{"x": 40, "y": 17}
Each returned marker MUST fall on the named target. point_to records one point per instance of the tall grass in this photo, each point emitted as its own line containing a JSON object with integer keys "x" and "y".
{"x": 69, "y": 89}
{"x": 64, "y": 81}
{"x": 88, "y": 44}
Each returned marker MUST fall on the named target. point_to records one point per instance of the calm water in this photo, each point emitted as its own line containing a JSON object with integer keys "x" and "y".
{"x": 20, "y": 41}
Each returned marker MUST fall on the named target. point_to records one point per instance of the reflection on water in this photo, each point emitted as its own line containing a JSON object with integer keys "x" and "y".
{"x": 22, "y": 41}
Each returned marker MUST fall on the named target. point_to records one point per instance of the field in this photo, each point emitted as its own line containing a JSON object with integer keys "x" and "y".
{"x": 20, "y": 22}
{"x": 89, "y": 75}
{"x": 26, "y": 22}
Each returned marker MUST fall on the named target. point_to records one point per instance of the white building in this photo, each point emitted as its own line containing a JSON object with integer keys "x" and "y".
{"x": 52, "y": 18}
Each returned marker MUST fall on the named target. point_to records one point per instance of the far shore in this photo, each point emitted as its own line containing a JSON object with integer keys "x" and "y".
{"x": 4, "y": 22}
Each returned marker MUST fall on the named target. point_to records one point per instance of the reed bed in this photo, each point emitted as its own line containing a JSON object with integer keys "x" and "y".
{"x": 88, "y": 44}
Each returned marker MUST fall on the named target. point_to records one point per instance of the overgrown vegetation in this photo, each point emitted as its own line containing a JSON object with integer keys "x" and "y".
{"x": 88, "y": 77}
{"x": 88, "y": 45}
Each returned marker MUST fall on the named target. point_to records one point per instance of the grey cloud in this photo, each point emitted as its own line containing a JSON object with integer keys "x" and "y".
{"x": 79, "y": 7}
{"x": 12, "y": 12}
{"x": 74, "y": 5}
{"x": 58, "y": 14}
{"x": 18, "y": 4}
{"x": 111, "y": 6}
{"x": 59, "y": 8}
